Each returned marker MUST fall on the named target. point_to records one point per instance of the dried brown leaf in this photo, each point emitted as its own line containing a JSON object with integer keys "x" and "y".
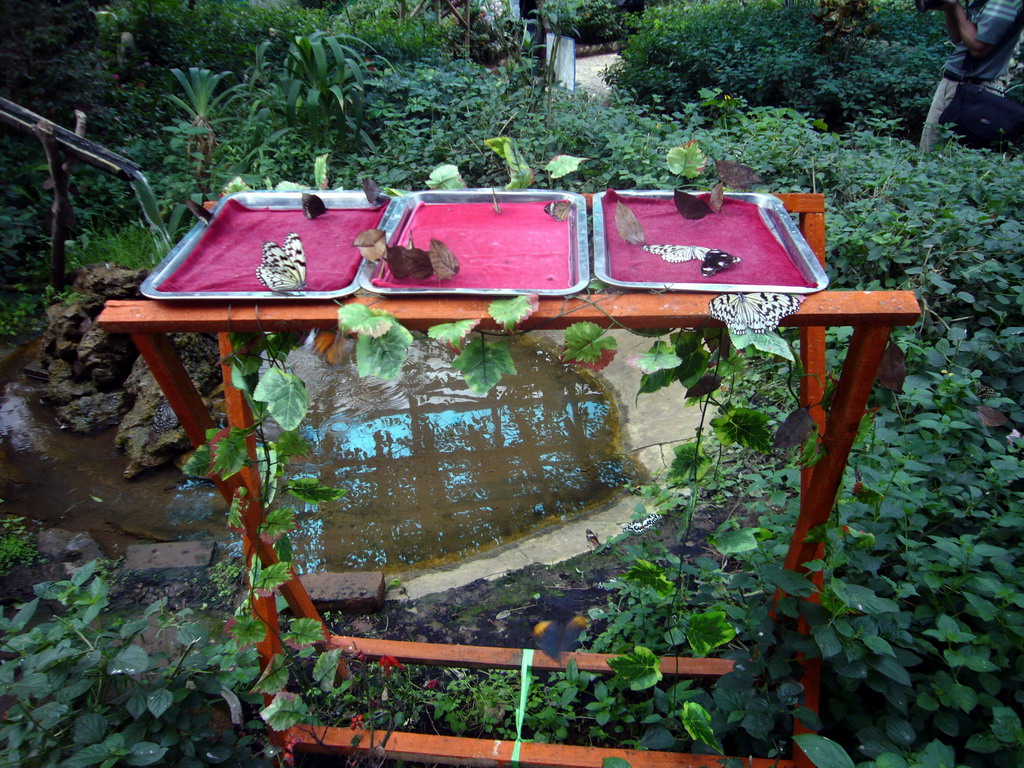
{"x": 893, "y": 368}
{"x": 442, "y": 260}
{"x": 737, "y": 175}
{"x": 990, "y": 417}
{"x": 717, "y": 197}
{"x": 708, "y": 383}
{"x": 372, "y": 244}
{"x": 794, "y": 429}
{"x": 629, "y": 226}
{"x": 690, "y": 206}
{"x": 409, "y": 262}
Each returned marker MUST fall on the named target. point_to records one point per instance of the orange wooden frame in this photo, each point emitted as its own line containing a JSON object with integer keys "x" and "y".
{"x": 872, "y": 314}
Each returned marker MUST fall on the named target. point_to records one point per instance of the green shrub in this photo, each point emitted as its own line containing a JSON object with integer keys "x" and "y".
{"x": 17, "y": 545}
{"x": 86, "y": 690}
{"x": 588, "y": 21}
{"x": 766, "y": 52}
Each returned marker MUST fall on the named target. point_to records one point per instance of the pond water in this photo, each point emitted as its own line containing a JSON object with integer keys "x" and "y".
{"x": 432, "y": 471}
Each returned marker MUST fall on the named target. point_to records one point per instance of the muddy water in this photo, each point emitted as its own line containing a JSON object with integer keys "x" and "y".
{"x": 432, "y": 471}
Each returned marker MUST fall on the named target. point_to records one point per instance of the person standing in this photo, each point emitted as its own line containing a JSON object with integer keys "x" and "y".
{"x": 986, "y": 34}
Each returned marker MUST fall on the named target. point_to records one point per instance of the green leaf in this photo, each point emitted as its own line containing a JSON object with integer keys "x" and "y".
{"x": 652, "y": 382}
{"x": 325, "y": 671}
{"x": 769, "y": 342}
{"x": 510, "y": 312}
{"x": 304, "y": 632}
{"x": 483, "y": 363}
{"x": 707, "y": 631}
{"x": 320, "y": 171}
{"x": 278, "y": 522}
{"x": 615, "y": 762}
{"x": 290, "y": 444}
{"x": 248, "y": 630}
{"x": 562, "y": 165}
{"x": 648, "y": 574}
{"x": 697, "y": 722}
{"x": 198, "y": 464}
{"x": 145, "y": 753}
{"x": 270, "y": 577}
{"x": 687, "y": 160}
{"x": 660, "y": 357}
{"x": 453, "y": 334}
{"x": 519, "y": 171}
{"x": 274, "y": 677}
{"x": 285, "y": 396}
{"x": 734, "y": 542}
{"x": 445, "y": 177}
{"x": 744, "y": 426}
{"x": 640, "y": 668}
{"x": 693, "y": 357}
{"x": 230, "y": 454}
{"x": 383, "y": 356}
{"x": 158, "y": 701}
{"x": 310, "y": 490}
{"x": 361, "y": 319}
{"x": 824, "y": 753}
{"x": 130, "y": 660}
{"x": 91, "y": 755}
{"x": 586, "y": 342}
{"x": 690, "y": 464}
{"x": 90, "y": 728}
{"x": 284, "y": 711}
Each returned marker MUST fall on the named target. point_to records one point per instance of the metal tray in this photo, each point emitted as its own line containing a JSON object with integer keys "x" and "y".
{"x": 577, "y": 255}
{"x": 775, "y": 217}
{"x": 264, "y": 200}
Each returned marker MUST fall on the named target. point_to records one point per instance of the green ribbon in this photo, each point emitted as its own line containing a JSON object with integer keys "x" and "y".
{"x": 526, "y": 672}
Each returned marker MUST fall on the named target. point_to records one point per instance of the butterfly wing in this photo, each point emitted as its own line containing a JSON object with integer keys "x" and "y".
{"x": 312, "y": 205}
{"x": 715, "y": 261}
{"x": 283, "y": 268}
{"x": 754, "y": 312}
{"x": 558, "y": 209}
{"x": 677, "y": 253}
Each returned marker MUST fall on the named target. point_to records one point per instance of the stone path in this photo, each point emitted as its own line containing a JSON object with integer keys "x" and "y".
{"x": 590, "y": 73}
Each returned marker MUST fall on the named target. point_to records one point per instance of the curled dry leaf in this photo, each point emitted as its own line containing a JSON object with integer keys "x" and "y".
{"x": 794, "y": 429}
{"x": 717, "y": 197}
{"x": 628, "y": 225}
{"x": 690, "y": 206}
{"x": 442, "y": 260}
{"x": 990, "y": 417}
{"x": 372, "y": 244}
{"x": 893, "y": 368}
{"x": 708, "y": 383}
{"x": 409, "y": 262}
{"x": 737, "y": 175}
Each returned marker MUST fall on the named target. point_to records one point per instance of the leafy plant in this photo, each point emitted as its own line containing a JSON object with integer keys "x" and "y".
{"x": 17, "y": 545}
{"x": 86, "y": 691}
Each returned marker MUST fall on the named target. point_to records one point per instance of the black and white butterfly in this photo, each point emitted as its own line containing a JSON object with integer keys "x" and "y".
{"x": 283, "y": 268}
{"x": 715, "y": 261}
{"x": 754, "y": 312}
{"x": 712, "y": 260}
{"x": 639, "y": 526}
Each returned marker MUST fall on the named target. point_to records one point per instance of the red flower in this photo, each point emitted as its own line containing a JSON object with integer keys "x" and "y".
{"x": 432, "y": 685}
{"x": 357, "y": 723}
{"x": 389, "y": 662}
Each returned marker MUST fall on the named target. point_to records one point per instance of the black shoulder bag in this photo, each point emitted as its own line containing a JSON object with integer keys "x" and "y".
{"x": 983, "y": 116}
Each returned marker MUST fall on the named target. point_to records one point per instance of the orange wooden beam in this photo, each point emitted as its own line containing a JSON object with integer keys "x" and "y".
{"x": 488, "y": 657}
{"x": 494, "y": 753}
{"x": 628, "y": 310}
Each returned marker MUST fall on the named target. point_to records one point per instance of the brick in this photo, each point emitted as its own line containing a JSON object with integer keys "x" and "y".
{"x": 175, "y": 554}
{"x": 351, "y": 592}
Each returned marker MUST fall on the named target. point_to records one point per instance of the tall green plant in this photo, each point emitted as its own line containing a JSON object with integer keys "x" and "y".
{"x": 321, "y": 88}
{"x": 201, "y": 104}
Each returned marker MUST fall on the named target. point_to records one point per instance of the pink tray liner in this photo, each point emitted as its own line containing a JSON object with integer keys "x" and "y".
{"x": 737, "y": 229}
{"x": 228, "y": 253}
{"x": 522, "y": 248}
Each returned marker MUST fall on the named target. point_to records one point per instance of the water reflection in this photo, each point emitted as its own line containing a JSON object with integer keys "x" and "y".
{"x": 432, "y": 471}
